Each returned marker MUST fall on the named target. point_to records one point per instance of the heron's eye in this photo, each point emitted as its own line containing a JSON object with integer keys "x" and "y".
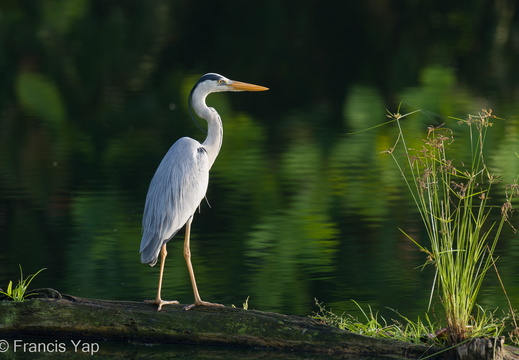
{"x": 221, "y": 81}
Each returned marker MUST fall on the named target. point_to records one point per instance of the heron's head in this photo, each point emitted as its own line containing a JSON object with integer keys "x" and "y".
{"x": 212, "y": 82}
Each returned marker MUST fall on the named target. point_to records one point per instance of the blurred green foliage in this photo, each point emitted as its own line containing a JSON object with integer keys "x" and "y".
{"x": 94, "y": 92}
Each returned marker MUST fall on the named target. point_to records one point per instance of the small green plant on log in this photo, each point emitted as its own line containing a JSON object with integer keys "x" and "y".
{"x": 18, "y": 293}
{"x": 453, "y": 201}
{"x": 245, "y": 304}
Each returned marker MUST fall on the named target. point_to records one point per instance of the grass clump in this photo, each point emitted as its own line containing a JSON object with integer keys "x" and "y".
{"x": 453, "y": 199}
{"x": 18, "y": 293}
{"x": 453, "y": 202}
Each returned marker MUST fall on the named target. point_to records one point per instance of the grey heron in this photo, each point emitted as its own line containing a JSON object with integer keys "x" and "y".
{"x": 180, "y": 183}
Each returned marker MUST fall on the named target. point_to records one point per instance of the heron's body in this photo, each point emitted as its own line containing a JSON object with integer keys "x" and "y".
{"x": 181, "y": 180}
{"x": 177, "y": 188}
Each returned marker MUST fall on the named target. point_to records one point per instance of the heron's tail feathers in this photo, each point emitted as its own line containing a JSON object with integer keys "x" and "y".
{"x": 150, "y": 249}
{"x": 150, "y": 259}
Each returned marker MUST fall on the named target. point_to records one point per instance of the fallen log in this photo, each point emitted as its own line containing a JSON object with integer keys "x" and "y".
{"x": 70, "y": 317}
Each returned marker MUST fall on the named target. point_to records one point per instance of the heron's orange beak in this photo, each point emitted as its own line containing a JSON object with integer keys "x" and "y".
{"x": 241, "y": 86}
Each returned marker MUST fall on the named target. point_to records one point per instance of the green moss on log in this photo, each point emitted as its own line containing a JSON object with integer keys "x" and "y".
{"x": 77, "y": 318}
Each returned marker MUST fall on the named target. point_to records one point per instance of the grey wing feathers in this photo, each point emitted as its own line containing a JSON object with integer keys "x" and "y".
{"x": 176, "y": 190}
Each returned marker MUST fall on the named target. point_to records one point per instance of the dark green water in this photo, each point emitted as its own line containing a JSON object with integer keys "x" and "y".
{"x": 94, "y": 93}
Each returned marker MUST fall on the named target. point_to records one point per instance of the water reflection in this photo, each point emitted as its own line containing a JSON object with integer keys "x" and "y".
{"x": 304, "y": 204}
{"x": 310, "y": 221}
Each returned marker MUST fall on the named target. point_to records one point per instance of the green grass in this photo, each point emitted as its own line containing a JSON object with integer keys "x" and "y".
{"x": 452, "y": 198}
{"x": 373, "y": 324}
{"x": 18, "y": 293}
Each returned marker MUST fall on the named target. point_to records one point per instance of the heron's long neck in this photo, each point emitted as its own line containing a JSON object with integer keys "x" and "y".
{"x": 213, "y": 141}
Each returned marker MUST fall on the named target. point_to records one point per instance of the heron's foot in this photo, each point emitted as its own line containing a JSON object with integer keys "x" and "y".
{"x": 201, "y": 303}
{"x": 161, "y": 302}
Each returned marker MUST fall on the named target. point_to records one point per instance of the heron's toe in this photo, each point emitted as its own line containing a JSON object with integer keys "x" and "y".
{"x": 160, "y": 303}
{"x": 201, "y": 303}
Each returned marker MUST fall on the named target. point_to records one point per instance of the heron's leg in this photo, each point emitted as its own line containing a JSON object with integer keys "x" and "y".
{"x": 158, "y": 300}
{"x": 187, "y": 257}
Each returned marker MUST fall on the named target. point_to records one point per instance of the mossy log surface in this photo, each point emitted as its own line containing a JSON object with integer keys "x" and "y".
{"x": 102, "y": 320}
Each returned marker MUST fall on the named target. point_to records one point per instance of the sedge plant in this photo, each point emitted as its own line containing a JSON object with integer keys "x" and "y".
{"x": 453, "y": 202}
{"x": 18, "y": 292}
